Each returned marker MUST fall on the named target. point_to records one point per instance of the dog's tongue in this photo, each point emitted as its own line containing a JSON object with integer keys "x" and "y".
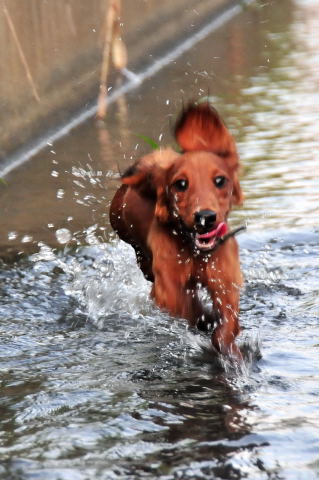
{"x": 218, "y": 232}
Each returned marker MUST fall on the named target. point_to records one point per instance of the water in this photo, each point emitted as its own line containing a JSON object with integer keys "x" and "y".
{"x": 96, "y": 382}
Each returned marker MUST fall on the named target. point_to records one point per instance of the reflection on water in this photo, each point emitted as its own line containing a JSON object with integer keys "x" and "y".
{"x": 96, "y": 383}
{"x": 280, "y": 143}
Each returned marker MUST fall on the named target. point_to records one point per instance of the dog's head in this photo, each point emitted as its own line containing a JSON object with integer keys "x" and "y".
{"x": 193, "y": 190}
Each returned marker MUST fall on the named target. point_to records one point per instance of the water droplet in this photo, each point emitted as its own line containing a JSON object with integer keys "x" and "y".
{"x": 63, "y": 235}
{"x": 26, "y": 239}
{"x": 60, "y": 193}
{"x": 12, "y": 235}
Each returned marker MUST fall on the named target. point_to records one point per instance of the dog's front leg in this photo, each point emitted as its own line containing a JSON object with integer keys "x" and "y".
{"x": 173, "y": 292}
{"x": 173, "y": 289}
{"x": 223, "y": 281}
{"x": 223, "y": 337}
{"x": 175, "y": 298}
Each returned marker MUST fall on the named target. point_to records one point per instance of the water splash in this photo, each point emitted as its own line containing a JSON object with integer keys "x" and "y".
{"x": 106, "y": 281}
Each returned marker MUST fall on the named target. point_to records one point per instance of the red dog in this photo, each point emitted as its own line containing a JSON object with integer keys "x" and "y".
{"x": 173, "y": 208}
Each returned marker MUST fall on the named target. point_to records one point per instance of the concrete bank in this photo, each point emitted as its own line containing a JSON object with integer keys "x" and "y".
{"x": 50, "y": 68}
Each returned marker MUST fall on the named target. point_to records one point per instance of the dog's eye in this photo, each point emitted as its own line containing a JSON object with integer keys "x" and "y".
{"x": 220, "y": 181}
{"x": 181, "y": 185}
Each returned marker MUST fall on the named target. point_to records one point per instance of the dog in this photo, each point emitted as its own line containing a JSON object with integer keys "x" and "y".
{"x": 172, "y": 207}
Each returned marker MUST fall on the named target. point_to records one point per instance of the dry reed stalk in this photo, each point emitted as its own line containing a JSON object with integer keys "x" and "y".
{"x": 114, "y": 45}
{"x": 109, "y": 25}
{"x": 20, "y": 52}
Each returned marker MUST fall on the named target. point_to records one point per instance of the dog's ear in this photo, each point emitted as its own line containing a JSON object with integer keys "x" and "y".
{"x": 162, "y": 206}
{"x": 200, "y": 128}
{"x": 148, "y": 176}
{"x": 143, "y": 174}
{"x": 237, "y": 195}
{"x": 139, "y": 175}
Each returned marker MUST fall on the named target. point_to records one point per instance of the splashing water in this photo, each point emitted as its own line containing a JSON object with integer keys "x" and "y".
{"x": 96, "y": 382}
{"x": 108, "y": 282}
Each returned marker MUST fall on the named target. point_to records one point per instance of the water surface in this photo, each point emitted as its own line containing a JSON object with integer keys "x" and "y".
{"x": 96, "y": 383}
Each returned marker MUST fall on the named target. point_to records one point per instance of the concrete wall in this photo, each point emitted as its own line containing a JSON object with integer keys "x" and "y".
{"x": 60, "y": 43}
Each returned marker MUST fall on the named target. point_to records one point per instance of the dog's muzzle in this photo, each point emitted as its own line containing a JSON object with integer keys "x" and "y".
{"x": 207, "y": 231}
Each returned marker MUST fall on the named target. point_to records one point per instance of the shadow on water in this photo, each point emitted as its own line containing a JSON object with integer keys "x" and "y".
{"x": 95, "y": 381}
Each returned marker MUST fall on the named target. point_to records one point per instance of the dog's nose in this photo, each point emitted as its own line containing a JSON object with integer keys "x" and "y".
{"x": 205, "y": 218}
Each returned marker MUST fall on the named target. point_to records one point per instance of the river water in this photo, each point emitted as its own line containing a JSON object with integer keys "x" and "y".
{"x": 96, "y": 383}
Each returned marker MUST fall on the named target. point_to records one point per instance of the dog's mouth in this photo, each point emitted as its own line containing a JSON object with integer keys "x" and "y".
{"x": 207, "y": 241}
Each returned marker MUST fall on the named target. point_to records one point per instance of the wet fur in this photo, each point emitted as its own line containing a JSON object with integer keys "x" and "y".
{"x": 158, "y": 221}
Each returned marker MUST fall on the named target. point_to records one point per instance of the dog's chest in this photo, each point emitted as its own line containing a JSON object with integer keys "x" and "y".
{"x": 201, "y": 269}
